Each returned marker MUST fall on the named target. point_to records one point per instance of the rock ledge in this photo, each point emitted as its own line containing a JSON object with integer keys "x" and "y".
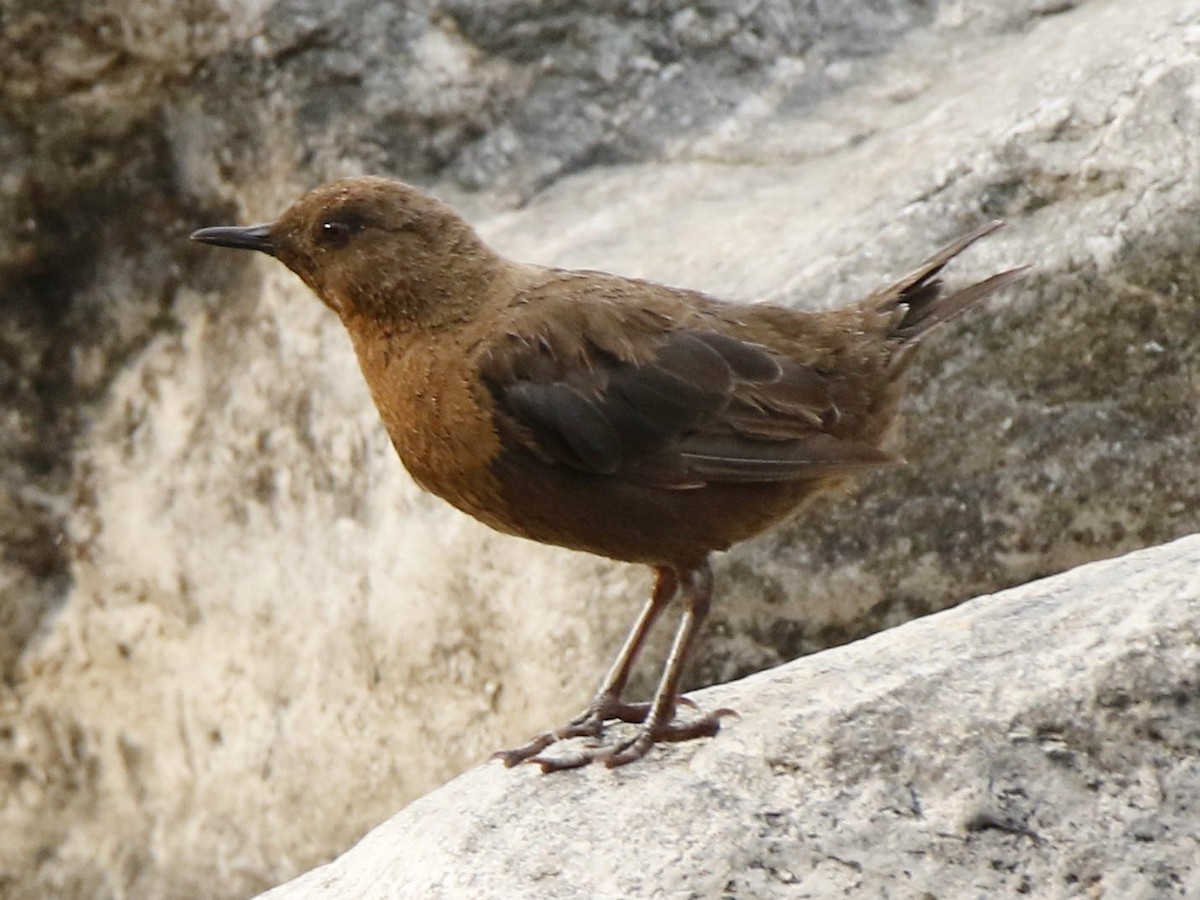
{"x": 1042, "y": 740}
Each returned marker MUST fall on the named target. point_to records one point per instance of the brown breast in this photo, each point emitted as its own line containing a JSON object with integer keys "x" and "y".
{"x": 437, "y": 416}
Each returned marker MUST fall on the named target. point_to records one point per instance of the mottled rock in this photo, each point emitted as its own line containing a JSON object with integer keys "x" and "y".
{"x": 1042, "y": 741}
{"x": 233, "y": 635}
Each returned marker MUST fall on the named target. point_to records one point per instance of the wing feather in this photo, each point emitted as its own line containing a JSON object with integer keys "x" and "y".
{"x": 674, "y": 404}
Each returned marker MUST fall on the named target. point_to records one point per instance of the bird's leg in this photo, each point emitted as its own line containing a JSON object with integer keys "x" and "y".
{"x": 697, "y": 586}
{"x": 607, "y": 702}
{"x": 656, "y": 722}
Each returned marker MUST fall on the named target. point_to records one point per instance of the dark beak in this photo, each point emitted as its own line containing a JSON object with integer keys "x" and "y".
{"x": 252, "y": 237}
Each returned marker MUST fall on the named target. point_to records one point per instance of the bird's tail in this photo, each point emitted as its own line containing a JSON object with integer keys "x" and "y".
{"x": 916, "y": 304}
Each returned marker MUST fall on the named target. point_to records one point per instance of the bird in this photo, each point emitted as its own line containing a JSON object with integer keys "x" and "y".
{"x": 635, "y": 421}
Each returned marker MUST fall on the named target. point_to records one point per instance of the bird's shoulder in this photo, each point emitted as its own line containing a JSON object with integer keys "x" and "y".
{"x": 579, "y": 317}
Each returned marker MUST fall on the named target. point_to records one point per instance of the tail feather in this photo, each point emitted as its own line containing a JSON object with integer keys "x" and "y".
{"x": 916, "y": 304}
{"x": 941, "y": 309}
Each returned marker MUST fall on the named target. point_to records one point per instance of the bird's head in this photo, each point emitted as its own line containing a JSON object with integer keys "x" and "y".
{"x": 375, "y": 248}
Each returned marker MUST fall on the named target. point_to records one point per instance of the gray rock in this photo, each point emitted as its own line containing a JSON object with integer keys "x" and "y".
{"x": 1042, "y": 741}
{"x": 233, "y": 635}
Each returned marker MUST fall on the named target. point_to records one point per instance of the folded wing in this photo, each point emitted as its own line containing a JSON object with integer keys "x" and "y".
{"x": 672, "y": 406}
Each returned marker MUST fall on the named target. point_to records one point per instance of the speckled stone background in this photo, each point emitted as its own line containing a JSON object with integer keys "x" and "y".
{"x": 234, "y": 636}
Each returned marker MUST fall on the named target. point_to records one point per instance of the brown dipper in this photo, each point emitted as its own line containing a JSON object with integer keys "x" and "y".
{"x": 635, "y": 421}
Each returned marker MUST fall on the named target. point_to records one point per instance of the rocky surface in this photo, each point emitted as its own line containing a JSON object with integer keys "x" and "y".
{"x": 233, "y": 636}
{"x": 1043, "y": 741}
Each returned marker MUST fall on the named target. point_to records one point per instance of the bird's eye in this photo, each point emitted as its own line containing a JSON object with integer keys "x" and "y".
{"x": 336, "y": 232}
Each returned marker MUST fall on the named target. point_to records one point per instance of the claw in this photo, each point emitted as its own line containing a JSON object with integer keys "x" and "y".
{"x": 526, "y": 751}
{"x": 575, "y": 760}
{"x": 628, "y": 752}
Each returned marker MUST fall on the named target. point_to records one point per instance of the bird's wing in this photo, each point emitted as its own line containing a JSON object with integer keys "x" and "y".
{"x": 614, "y": 389}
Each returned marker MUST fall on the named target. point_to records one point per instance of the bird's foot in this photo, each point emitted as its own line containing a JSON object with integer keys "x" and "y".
{"x": 620, "y": 754}
{"x": 589, "y": 724}
{"x": 637, "y": 746}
